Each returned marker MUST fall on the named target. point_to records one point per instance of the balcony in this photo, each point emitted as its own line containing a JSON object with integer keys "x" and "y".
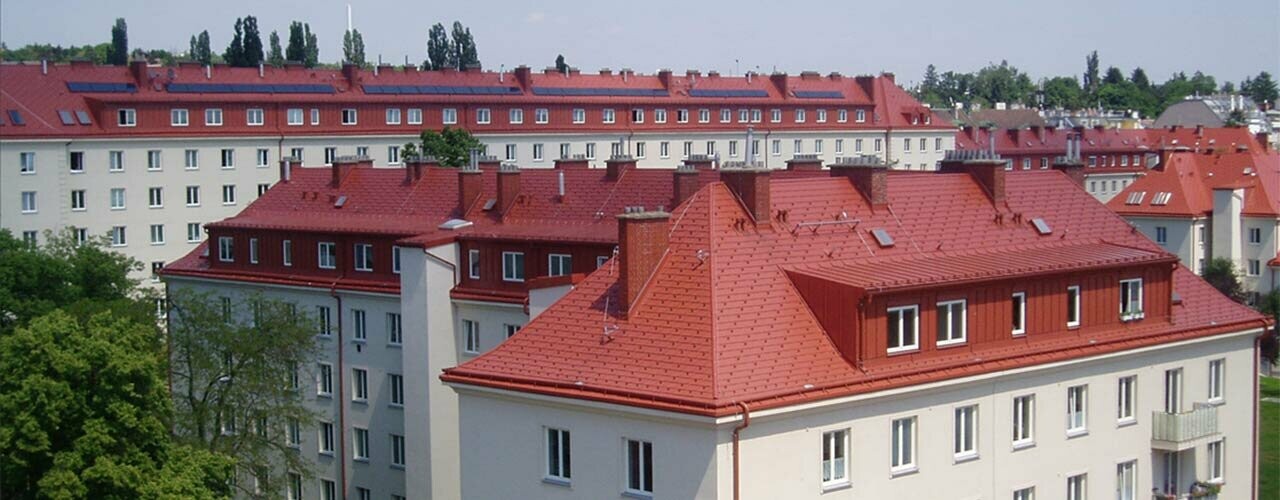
{"x": 1181, "y": 431}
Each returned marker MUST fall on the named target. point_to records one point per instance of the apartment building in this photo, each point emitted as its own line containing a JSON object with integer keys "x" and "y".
{"x": 872, "y": 334}
{"x": 148, "y": 155}
{"x": 1215, "y": 198}
{"x": 412, "y": 270}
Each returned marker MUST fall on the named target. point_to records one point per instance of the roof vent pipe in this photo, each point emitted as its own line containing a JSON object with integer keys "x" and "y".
{"x": 560, "y": 182}
{"x": 208, "y": 72}
{"x": 44, "y": 66}
{"x": 751, "y": 154}
{"x": 260, "y": 70}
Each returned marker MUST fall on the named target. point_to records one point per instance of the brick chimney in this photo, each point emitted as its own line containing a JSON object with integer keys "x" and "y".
{"x": 352, "y": 73}
{"x": 1264, "y": 140}
{"x": 576, "y": 162}
{"x": 1073, "y": 167}
{"x": 616, "y": 165}
{"x": 684, "y": 184}
{"x": 287, "y": 164}
{"x": 342, "y": 165}
{"x": 488, "y": 162}
{"x": 524, "y": 76}
{"x": 664, "y": 76}
{"x": 642, "y": 241}
{"x": 750, "y": 183}
{"x": 780, "y": 81}
{"x": 414, "y": 167}
{"x": 805, "y": 162}
{"x": 138, "y": 69}
{"x": 869, "y": 175}
{"x": 508, "y": 187}
{"x": 700, "y": 162}
{"x": 470, "y": 184}
{"x": 986, "y": 168}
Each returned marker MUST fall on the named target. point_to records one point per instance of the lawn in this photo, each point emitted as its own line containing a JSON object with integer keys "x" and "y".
{"x": 1269, "y": 443}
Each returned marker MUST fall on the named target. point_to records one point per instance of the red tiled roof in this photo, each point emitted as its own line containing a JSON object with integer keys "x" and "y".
{"x": 720, "y": 323}
{"x": 1190, "y": 178}
{"x": 195, "y": 265}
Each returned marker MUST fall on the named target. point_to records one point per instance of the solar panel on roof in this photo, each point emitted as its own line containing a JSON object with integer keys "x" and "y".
{"x": 250, "y": 88}
{"x": 882, "y": 237}
{"x": 819, "y": 94}
{"x": 105, "y": 87}
{"x": 439, "y": 90}
{"x": 1, "y": 119}
{"x": 66, "y": 117}
{"x": 727, "y": 93}
{"x": 83, "y": 117}
{"x": 16, "y": 118}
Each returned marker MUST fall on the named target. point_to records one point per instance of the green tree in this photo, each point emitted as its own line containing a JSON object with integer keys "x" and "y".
{"x": 464, "y": 47}
{"x": 276, "y": 56}
{"x": 1228, "y": 87}
{"x": 297, "y": 50}
{"x": 234, "y": 55}
{"x": 1262, "y": 90}
{"x": 87, "y": 414}
{"x": 1090, "y": 82}
{"x": 561, "y": 66}
{"x": 1222, "y": 274}
{"x": 353, "y": 48}
{"x": 1003, "y": 83}
{"x": 252, "y": 46}
{"x": 1269, "y": 304}
{"x": 312, "y": 51}
{"x": 1063, "y": 92}
{"x": 200, "y": 51}
{"x": 1203, "y": 84}
{"x": 237, "y": 368}
{"x": 1113, "y": 76}
{"x": 1236, "y": 118}
{"x": 439, "y": 53}
{"x": 1140, "y": 80}
{"x": 119, "y": 54}
{"x": 451, "y": 146}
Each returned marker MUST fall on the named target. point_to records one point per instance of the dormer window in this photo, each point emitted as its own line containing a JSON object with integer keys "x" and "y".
{"x": 952, "y": 324}
{"x": 1130, "y": 299}
{"x": 903, "y": 328}
{"x": 226, "y": 249}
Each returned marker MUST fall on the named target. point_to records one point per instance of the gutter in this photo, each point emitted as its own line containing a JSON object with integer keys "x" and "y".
{"x": 737, "y": 431}
{"x": 342, "y": 402}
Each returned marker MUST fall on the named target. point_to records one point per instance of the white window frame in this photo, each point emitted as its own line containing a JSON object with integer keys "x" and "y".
{"x": 350, "y": 116}
{"x": 821, "y": 116}
{"x": 179, "y": 117}
{"x": 726, "y": 115}
{"x": 902, "y": 445}
{"x": 360, "y": 444}
{"x": 293, "y": 117}
{"x": 470, "y": 336}
{"x": 324, "y": 379}
{"x": 127, "y": 117}
{"x": 29, "y": 202}
{"x": 1077, "y": 410}
{"x": 1127, "y": 311}
{"x": 637, "y": 115}
{"x": 1216, "y": 458}
{"x": 965, "y": 440}
{"x": 915, "y": 328}
{"x": 395, "y": 386}
{"x": 325, "y": 438}
{"x": 254, "y": 117}
{"x": 253, "y": 250}
{"x": 835, "y": 458}
{"x": 359, "y": 385}
{"x": 27, "y": 162}
{"x": 193, "y": 232}
{"x": 1078, "y": 486}
{"x": 117, "y": 198}
{"x": 682, "y": 116}
{"x": 483, "y": 116}
{"x": 228, "y": 194}
{"x": 286, "y": 253}
{"x": 157, "y": 234}
{"x": 644, "y": 453}
{"x": 1217, "y": 383}
{"x": 393, "y": 116}
{"x": 115, "y": 161}
{"x": 213, "y": 117}
{"x": 704, "y": 115}
{"x": 1127, "y": 480}
{"x": 1073, "y": 310}
{"x": 659, "y": 115}
{"x": 360, "y": 324}
{"x": 1020, "y": 309}
{"x": 562, "y": 261}
{"x": 473, "y": 264}
{"x": 118, "y": 236}
{"x": 558, "y": 456}
{"x": 449, "y": 116}
{"x": 329, "y": 260}
{"x": 541, "y": 116}
{"x": 1024, "y": 421}
{"x": 395, "y": 329}
{"x": 1027, "y": 493}
{"x": 842, "y": 116}
{"x": 413, "y": 116}
{"x": 77, "y": 200}
{"x": 1127, "y": 400}
{"x": 800, "y": 115}
{"x": 397, "y": 451}
{"x": 509, "y": 271}
{"x": 860, "y": 115}
{"x": 608, "y": 116}
{"x": 515, "y": 116}
{"x": 950, "y": 336}
{"x": 363, "y": 260}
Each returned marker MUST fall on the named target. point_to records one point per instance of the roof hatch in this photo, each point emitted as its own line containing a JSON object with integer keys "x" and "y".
{"x": 882, "y": 237}
{"x": 1042, "y": 227}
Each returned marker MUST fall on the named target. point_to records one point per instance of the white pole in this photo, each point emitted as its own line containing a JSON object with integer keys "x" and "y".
{"x": 348, "y": 17}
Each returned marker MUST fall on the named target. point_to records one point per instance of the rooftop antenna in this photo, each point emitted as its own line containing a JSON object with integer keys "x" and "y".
{"x": 348, "y": 18}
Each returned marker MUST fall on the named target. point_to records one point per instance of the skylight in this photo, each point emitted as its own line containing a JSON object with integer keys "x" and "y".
{"x": 1161, "y": 198}
{"x": 453, "y": 224}
{"x": 1135, "y": 198}
{"x": 1042, "y": 227}
{"x": 882, "y": 237}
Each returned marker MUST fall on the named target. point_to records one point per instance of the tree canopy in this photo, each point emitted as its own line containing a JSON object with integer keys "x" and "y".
{"x": 276, "y": 55}
{"x": 353, "y": 48}
{"x": 456, "y": 53}
{"x": 1222, "y": 274}
{"x": 119, "y": 54}
{"x": 451, "y": 146}
{"x": 245, "y": 50}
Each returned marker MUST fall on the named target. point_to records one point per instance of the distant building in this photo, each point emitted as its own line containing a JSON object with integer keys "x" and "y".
{"x": 871, "y": 334}
{"x": 1214, "y": 111}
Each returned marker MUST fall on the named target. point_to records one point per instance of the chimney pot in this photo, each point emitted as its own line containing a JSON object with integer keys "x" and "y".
{"x": 750, "y": 183}
{"x": 642, "y": 241}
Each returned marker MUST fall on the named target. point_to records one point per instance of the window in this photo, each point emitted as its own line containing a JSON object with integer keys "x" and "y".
{"x": 323, "y": 317}
{"x": 179, "y": 117}
{"x": 1216, "y": 374}
{"x": 842, "y": 115}
{"x": 966, "y": 438}
{"x": 360, "y": 324}
{"x": 262, "y": 188}
{"x": 607, "y": 115}
{"x": 839, "y": 146}
{"x": 906, "y": 144}
{"x": 157, "y": 234}
{"x": 1077, "y": 486}
{"x": 1216, "y": 461}
{"x": 326, "y": 438}
{"x": 328, "y": 489}
{"x": 639, "y": 149}
{"x": 1255, "y": 234}
{"x": 903, "y": 436}
{"x": 328, "y": 255}
{"x": 1130, "y": 299}
{"x": 324, "y": 379}
{"x": 153, "y": 159}
{"x": 126, "y": 118}
{"x": 1024, "y": 420}
{"x": 213, "y": 117}
{"x": 904, "y": 324}
{"x": 330, "y": 154}
{"x": 191, "y": 159}
{"x": 193, "y": 196}
{"x": 800, "y": 116}
{"x": 117, "y": 199}
{"x": 118, "y": 236}
{"x": 600, "y": 260}
{"x": 515, "y": 116}
{"x": 1126, "y": 399}
{"x": 359, "y": 385}
{"x": 293, "y": 116}
{"x": 564, "y": 150}
{"x": 193, "y": 232}
{"x": 1126, "y": 481}
{"x": 660, "y": 116}
{"x": 688, "y": 149}
{"x": 952, "y": 322}
{"x": 295, "y": 486}
{"x": 1019, "y": 314}
{"x": 860, "y": 115}
{"x": 511, "y": 152}
{"x": 1026, "y": 163}
{"x": 1028, "y": 493}
{"x": 878, "y": 145}
{"x": 711, "y": 148}
{"x": 396, "y": 382}
{"x": 559, "y": 264}
{"x": 835, "y": 469}
{"x": 704, "y": 116}
{"x": 393, "y": 116}
{"x": 473, "y": 264}
{"x": 923, "y": 142}
{"x": 540, "y": 115}
{"x": 315, "y": 116}
{"x": 682, "y": 116}
{"x": 1073, "y": 306}
{"x": 228, "y": 158}
{"x": 30, "y": 238}
{"x": 639, "y": 467}
{"x": 537, "y": 152}
{"x": 228, "y": 194}
{"x": 77, "y": 199}
{"x": 511, "y": 330}
{"x": 1254, "y": 267}
{"x": 1162, "y": 235}
{"x": 29, "y": 202}
{"x": 817, "y": 146}
{"x": 26, "y": 163}
{"x": 363, "y": 493}
{"x": 414, "y": 116}
{"x": 349, "y": 116}
{"x": 664, "y": 150}
{"x": 512, "y": 266}
{"x": 364, "y": 257}
{"x": 360, "y": 437}
{"x": 82, "y": 235}
{"x": 253, "y": 116}
{"x": 726, "y": 115}
{"x": 155, "y": 197}
{"x": 733, "y": 149}
{"x": 822, "y": 116}
{"x": 395, "y": 332}
{"x": 397, "y": 451}
{"x": 637, "y": 115}
{"x": 449, "y": 116}
{"x": 1077, "y": 405}
{"x": 937, "y": 146}
{"x": 471, "y": 336}
{"x": 559, "y": 463}
{"x": 115, "y": 161}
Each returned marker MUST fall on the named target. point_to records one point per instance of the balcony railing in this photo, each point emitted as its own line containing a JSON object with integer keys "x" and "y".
{"x": 1179, "y": 431}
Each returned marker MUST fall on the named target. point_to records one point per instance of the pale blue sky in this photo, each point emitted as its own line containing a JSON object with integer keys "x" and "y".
{"x": 1229, "y": 39}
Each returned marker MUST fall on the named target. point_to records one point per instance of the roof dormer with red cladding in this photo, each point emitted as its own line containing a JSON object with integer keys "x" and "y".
{"x": 353, "y": 100}
{"x": 850, "y": 284}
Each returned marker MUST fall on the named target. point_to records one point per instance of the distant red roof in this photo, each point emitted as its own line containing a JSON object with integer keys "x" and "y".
{"x": 720, "y": 322}
{"x": 1183, "y": 186}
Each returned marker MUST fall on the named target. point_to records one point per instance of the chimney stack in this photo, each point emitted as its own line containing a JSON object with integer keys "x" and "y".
{"x": 352, "y": 73}
{"x": 1038, "y": 130}
{"x": 574, "y": 162}
{"x": 750, "y": 183}
{"x": 664, "y": 76}
{"x": 342, "y": 165}
{"x": 618, "y": 164}
{"x": 1264, "y": 140}
{"x": 488, "y": 162}
{"x": 986, "y": 168}
{"x": 1072, "y": 166}
{"x": 470, "y": 182}
{"x": 524, "y": 76}
{"x": 642, "y": 241}
{"x": 508, "y": 187}
{"x": 869, "y": 175}
{"x": 413, "y": 167}
{"x": 138, "y": 69}
{"x": 805, "y": 162}
{"x": 685, "y": 183}
{"x": 287, "y": 164}
{"x": 780, "y": 81}
{"x": 700, "y": 162}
